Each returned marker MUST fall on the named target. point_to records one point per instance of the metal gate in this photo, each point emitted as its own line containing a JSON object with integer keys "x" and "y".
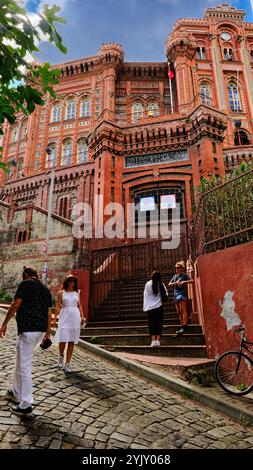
{"x": 109, "y": 266}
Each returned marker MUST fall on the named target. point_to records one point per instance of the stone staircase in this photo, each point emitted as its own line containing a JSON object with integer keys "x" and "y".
{"x": 120, "y": 325}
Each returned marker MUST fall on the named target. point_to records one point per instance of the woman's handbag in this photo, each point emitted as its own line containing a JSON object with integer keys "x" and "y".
{"x": 45, "y": 343}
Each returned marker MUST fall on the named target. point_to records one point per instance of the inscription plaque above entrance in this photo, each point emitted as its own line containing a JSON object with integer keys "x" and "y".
{"x": 157, "y": 158}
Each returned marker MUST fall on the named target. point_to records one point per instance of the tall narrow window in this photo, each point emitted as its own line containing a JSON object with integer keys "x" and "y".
{"x": 14, "y": 134}
{"x": 63, "y": 207}
{"x": 228, "y": 54}
{"x": 153, "y": 109}
{"x": 20, "y": 168}
{"x": 51, "y": 158}
{"x": 201, "y": 53}
{"x": 205, "y": 94}
{"x": 81, "y": 151}
{"x": 56, "y": 113}
{"x": 85, "y": 107}
{"x": 234, "y": 98}
{"x": 66, "y": 153}
{"x": 251, "y": 56}
{"x": 24, "y": 129}
{"x": 71, "y": 109}
{"x": 137, "y": 111}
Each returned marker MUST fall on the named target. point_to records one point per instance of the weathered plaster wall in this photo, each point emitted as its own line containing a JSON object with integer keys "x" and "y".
{"x": 14, "y": 255}
{"x": 225, "y": 283}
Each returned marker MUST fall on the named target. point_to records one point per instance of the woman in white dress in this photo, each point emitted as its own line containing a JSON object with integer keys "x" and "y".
{"x": 71, "y": 317}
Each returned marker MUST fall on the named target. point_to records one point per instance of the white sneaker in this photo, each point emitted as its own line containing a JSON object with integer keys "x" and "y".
{"x": 66, "y": 368}
{"x": 157, "y": 343}
{"x": 60, "y": 362}
{"x": 153, "y": 344}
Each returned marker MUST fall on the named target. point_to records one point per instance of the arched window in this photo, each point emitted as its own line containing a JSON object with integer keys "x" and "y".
{"x": 51, "y": 158}
{"x": 234, "y": 98}
{"x": 82, "y": 151}
{"x": 56, "y": 113}
{"x": 205, "y": 93}
{"x": 228, "y": 54}
{"x": 137, "y": 111}
{"x": 66, "y": 158}
{"x": 71, "y": 109}
{"x": 24, "y": 128}
{"x": 14, "y": 134}
{"x": 201, "y": 53}
{"x": 241, "y": 138}
{"x": 85, "y": 107}
{"x": 153, "y": 109}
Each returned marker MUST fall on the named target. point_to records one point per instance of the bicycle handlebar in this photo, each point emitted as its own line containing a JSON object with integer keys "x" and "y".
{"x": 240, "y": 329}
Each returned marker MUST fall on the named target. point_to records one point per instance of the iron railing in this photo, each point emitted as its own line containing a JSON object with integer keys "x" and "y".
{"x": 224, "y": 216}
{"x": 111, "y": 266}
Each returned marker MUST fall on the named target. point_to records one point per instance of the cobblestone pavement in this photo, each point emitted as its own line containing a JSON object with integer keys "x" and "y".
{"x": 102, "y": 406}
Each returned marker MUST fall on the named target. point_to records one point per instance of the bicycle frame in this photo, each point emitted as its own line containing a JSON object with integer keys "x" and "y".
{"x": 244, "y": 345}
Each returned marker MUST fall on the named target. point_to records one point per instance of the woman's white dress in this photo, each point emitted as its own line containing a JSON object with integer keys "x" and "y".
{"x": 69, "y": 320}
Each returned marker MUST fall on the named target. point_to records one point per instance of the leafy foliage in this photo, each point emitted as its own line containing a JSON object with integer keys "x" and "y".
{"x": 4, "y": 297}
{"x": 22, "y": 83}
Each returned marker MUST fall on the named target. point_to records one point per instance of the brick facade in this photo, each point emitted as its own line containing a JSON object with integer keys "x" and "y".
{"x": 111, "y": 130}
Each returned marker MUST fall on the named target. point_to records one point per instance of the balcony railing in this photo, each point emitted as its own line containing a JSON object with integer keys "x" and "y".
{"x": 224, "y": 216}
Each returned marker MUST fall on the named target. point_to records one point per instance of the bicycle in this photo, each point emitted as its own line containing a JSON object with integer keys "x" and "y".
{"x": 234, "y": 369}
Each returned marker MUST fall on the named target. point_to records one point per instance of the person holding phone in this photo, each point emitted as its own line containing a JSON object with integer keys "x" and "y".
{"x": 180, "y": 281}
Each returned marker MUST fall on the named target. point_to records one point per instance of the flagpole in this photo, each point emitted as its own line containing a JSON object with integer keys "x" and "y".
{"x": 171, "y": 97}
{"x": 237, "y": 86}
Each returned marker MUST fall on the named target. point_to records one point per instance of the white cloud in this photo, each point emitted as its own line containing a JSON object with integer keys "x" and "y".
{"x": 251, "y": 1}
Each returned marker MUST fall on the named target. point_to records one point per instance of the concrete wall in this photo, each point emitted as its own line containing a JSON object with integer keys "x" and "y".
{"x": 224, "y": 285}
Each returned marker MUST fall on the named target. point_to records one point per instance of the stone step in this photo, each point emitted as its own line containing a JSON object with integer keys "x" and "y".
{"x": 134, "y": 330}
{"x": 129, "y": 301}
{"x": 117, "y": 317}
{"x": 103, "y": 322}
{"x": 144, "y": 340}
{"x": 168, "y": 351}
{"x": 125, "y": 309}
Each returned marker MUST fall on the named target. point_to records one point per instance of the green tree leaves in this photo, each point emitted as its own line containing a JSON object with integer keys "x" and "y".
{"x": 23, "y": 83}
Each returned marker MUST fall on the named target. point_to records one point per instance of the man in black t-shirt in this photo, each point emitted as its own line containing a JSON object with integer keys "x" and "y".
{"x": 32, "y": 305}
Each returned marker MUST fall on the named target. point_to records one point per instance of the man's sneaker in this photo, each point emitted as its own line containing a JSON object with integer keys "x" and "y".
{"x": 60, "y": 362}
{"x": 152, "y": 344}
{"x": 67, "y": 369}
{"x": 10, "y": 395}
{"x": 21, "y": 411}
{"x": 157, "y": 343}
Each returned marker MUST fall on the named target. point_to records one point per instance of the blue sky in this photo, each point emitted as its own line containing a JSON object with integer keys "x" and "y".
{"x": 141, "y": 26}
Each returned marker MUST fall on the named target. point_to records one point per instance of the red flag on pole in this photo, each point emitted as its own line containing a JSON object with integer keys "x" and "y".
{"x": 170, "y": 74}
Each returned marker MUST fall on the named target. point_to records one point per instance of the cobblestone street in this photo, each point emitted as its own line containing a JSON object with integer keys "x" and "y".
{"x": 102, "y": 406}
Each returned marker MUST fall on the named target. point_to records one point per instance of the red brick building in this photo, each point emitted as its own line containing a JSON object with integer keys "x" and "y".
{"x": 115, "y": 130}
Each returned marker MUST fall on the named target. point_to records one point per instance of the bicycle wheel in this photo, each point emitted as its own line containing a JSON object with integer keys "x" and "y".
{"x": 234, "y": 373}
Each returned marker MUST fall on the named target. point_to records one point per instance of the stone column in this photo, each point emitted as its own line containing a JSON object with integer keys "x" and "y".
{"x": 110, "y": 85}
{"x": 217, "y": 70}
{"x": 247, "y": 74}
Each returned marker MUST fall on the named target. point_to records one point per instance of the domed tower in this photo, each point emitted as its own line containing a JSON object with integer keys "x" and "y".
{"x": 110, "y": 56}
{"x": 181, "y": 50}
